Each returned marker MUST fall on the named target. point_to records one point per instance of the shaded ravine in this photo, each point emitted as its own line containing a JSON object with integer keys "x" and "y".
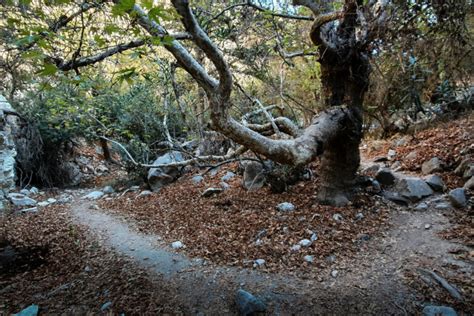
{"x": 371, "y": 283}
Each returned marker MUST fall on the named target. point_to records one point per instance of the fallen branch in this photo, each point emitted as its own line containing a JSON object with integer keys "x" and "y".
{"x": 448, "y": 287}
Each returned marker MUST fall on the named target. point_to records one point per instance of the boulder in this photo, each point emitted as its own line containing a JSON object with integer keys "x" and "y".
{"x": 435, "y": 182}
{"x": 161, "y": 176}
{"x": 19, "y": 199}
{"x": 413, "y": 189}
{"x": 248, "y": 304}
{"x": 432, "y": 165}
{"x": 431, "y": 310}
{"x": 385, "y": 177}
{"x": 457, "y": 197}
{"x": 254, "y": 176}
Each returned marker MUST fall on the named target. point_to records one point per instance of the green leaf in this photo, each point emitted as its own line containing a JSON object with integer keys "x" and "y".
{"x": 123, "y": 6}
{"x": 111, "y": 28}
{"x": 33, "y": 54}
{"x": 48, "y": 70}
{"x": 147, "y": 4}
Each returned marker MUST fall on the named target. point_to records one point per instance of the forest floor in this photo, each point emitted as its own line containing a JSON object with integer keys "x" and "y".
{"x": 115, "y": 256}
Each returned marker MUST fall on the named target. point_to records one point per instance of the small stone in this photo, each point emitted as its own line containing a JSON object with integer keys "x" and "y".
{"x": 211, "y": 191}
{"x": 224, "y": 185}
{"x": 258, "y": 242}
{"x": 259, "y": 262}
{"x": 359, "y": 216}
{"x": 229, "y": 175}
{"x": 51, "y": 200}
{"x": 337, "y": 217}
{"x": 29, "y": 210}
{"x": 469, "y": 185}
{"x": 34, "y": 190}
{"x": 313, "y": 237}
{"x": 108, "y": 190}
{"x": 248, "y": 304}
{"x": 197, "y": 179}
{"x": 21, "y": 200}
{"x": 431, "y": 310}
{"x": 427, "y": 226}
{"x": 177, "y": 245}
{"x": 285, "y": 207}
{"x": 144, "y": 193}
{"x": 25, "y": 192}
{"x": 87, "y": 269}
{"x": 391, "y": 154}
{"x": 334, "y": 273}
{"x": 31, "y": 310}
{"x": 331, "y": 258}
{"x": 469, "y": 172}
{"x": 134, "y": 188}
{"x": 43, "y": 203}
{"x": 308, "y": 258}
{"x": 432, "y": 165}
{"x": 457, "y": 197}
{"x": 295, "y": 248}
{"x": 421, "y": 207}
{"x": 106, "y": 306}
{"x": 443, "y": 206}
{"x": 305, "y": 243}
{"x": 262, "y": 233}
{"x": 436, "y": 183}
{"x": 95, "y": 195}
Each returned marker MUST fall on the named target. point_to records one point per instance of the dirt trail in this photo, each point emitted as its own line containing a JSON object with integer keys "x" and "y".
{"x": 371, "y": 283}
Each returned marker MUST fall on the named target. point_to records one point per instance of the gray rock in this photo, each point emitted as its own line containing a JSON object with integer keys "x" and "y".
{"x": 224, "y": 185}
{"x": 25, "y": 192}
{"x": 211, "y": 191}
{"x": 337, "y": 217}
{"x": 177, "y": 245}
{"x": 51, "y": 200}
{"x": 308, "y": 258}
{"x": 31, "y": 310}
{"x": 248, "y": 304}
{"x": 254, "y": 175}
{"x": 334, "y": 273}
{"x": 34, "y": 190}
{"x": 469, "y": 172}
{"x": 457, "y": 197}
{"x": 431, "y": 310}
{"x": 396, "y": 198}
{"x": 421, "y": 207}
{"x": 94, "y": 195}
{"x": 106, "y": 306}
{"x": 414, "y": 189}
{"x": 259, "y": 262}
{"x": 461, "y": 168}
{"x": 436, "y": 183}
{"x": 197, "y": 179}
{"x": 285, "y": 207}
{"x": 134, "y": 188}
{"x": 313, "y": 237}
{"x": 443, "y": 206}
{"x": 161, "y": 176}
{"x": 144, "y": 193}
{"x": 43, "y": 203}
{"x": 295, "y": 248}
{"x": 108, "y": 190}
{"x": 391, "y": 154}
{"x": 229, "y": 175}
{"x": 385, "y": 176}
{"x": 29, "y": 210}
{"x": 432, "y": 165}
{"x": 19, "y": 199}
{"x": 359, "y": 216}
{"x": 305, "y": 243}
{"x": 7, "y": 151}
{"x": 469, "y": 185}
{"x": 411, "y": 155}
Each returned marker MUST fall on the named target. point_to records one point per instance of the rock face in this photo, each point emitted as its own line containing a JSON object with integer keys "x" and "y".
{"x": 254, "y": 176}
{"x": 159, "y": 177}
{"x": 7, "y": 153}
{"x": 248, "y": 304}
{"x": 413, "y": 189}
{"x": 432, "y": 165}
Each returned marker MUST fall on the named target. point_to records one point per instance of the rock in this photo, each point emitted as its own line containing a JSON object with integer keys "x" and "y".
{"x": 396, "y": 166}
{"x": 308, "y": 258}
{"x": 359, "y": 216}
{"x": 259, "y": 262}
{"x": 421, "y": 207}
{"x": 21, "y": 200}
{"x": 334, "y": 273}
{"x": 469, "y": 172}
{"x": 25, "y": 192}
{"x": 254, "y": 175}
{"x": 285, "y": 207}
{"x": 144, "y": 193}
{"x": 64, "y": 199}
{"x": 224, "y": 185}
{"x": 29, "y": 210}
{"x": 108, "y": 190}
{"x": 411, "y": 155}
{"x": 396, "y": 198}
{"x": 211, "y": 191}
{"x": 427, "y": 226}
{"x": 414, "y": 189}
{"x": 431, "y": 310}
{"x": 376, "y": 187}
{"x": 337, "y": 217}
{"x": 7, "y": 152}
{"x": 101, "y": 169}
{"x": 34, "y": 190}
{"x": 436, "y": 183}
{"x": 469, "y": 185}
{"x": 106, "y": 306}
{"x": 43, "y": 203}
{"x": 177, "y": 245}
{"x": 261, "y": 234}
{"x": 197, "y": 179}
{"x": 161, "y": 176}
{"x": 31, "y": 310}
{"x": 432, "y": 165}
{"x": 73, "y": 172}
{"x": 385, "y": 176}
{"x": 248, "y": 304}
{"x": 305, "y": 243}
{"x": 295, "y": 248}
{"x": 94, "y": 195}
{"x": 457, "y": 197}
{"x": 51, "y": 200}
{"x": 229, "y": 175}
{"x": 443, "y": 206}
{"x": 134, "y": 188}
{"x": 313, "y": 237}
{"x": 461, "y": 168}
{"x": 391, "y": 154}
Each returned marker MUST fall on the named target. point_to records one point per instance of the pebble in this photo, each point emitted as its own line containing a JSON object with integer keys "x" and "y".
{"x": 106, "y": 306}
{"x": 259, "y": 263}
{"x": 229, "y": 175}
{"x": 334, "y": 273}
{"x": 211, "y": 191}
{"x": 197, "y": 179}
{"x": 108, "y": 190}
{"x": 309, "y": 258}
{"x": 337, "y": 217}
{"x": 295, "y": 248}
{"x": 314, "y": 237}
{"x": 285, "y": 207}
{"x": 51, "y": 200}
{"x": 177, "y": 245}
{"x": 305, "y": 243}
{"x": 427, "y": 226}
{"x": 421, "y": 207}
{"x": 359, "y": 216}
